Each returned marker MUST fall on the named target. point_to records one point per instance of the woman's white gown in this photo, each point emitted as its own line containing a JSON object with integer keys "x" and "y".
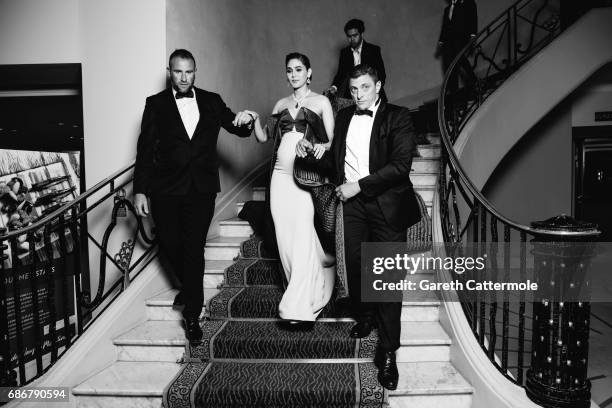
{"x": 309, "y": 270}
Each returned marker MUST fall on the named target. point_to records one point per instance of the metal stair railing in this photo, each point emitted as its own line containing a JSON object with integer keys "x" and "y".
{"x": 527, "y": 341}
{"x": 44, "y": 305}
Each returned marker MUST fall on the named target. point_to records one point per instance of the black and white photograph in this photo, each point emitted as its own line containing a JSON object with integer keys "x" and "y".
{"x": 306, "y": 203}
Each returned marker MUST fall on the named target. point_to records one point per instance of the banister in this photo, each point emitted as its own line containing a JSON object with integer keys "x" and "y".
{"x": 39, "y": 223}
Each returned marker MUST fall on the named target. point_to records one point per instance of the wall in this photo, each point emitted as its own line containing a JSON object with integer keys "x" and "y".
{"x": 122, "y": 48}
{"x": 34, "y": 31}
{"x": 119, "y": 45}
{"x": 538, "y": 170}
{"x": 543, "y": 157}
{"x": 240, "y": 46}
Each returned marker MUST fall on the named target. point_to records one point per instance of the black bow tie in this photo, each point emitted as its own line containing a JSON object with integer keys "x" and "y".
{"x": 188, "y": 94}
{"x": 368, "y": 112}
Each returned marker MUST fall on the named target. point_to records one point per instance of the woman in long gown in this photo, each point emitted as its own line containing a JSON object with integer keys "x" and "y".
{"x": 310, "y": 272}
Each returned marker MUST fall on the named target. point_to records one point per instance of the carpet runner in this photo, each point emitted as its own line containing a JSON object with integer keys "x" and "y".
{"x": 248, "y": 358}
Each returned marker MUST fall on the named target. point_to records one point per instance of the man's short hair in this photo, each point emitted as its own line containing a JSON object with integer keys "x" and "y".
{"x": 181, "y": 53}
{"x": 356, "y": 24}
{"x": 364, "y": 69}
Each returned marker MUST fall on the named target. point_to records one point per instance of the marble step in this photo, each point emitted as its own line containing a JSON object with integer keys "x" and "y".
{"x": 164, "y": 340}
{"x": 430, "y": 385}
{"x": 433, "y": 138}
{"x": 423, "y": 179}
{"x": 430, "y": 151}
{"x": 223, "y": 248}
{"x": 240, "y": 205}
{"x": 160, "y": 307}
{"x": 259, "y": 193}
{"x": 235, "y": 227}
{"x": 425, "y": 164}
{"x": 152, "y": 340}
{"x": 426, "y": 192}
{"x": 126, "y": 384}
{"x": 417, "y": 306}
{"x": 214, "y": 272}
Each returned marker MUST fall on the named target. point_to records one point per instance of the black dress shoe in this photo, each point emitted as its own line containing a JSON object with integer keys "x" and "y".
{"x": 362, "y": 329}
{"x": 387, "y": 371}
{"x": 296, "y": 325}
{"x": 178, "y": 299}
{"x": 192, "y": 329}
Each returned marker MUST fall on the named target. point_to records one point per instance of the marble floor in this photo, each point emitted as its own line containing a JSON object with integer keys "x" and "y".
{"x": 600, "y": 354}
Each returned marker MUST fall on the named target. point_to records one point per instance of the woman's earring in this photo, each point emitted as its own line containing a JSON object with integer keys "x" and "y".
{"x": 308, "y": 80}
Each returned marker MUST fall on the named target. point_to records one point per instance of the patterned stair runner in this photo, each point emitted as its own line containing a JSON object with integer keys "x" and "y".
{"x": 248, "y": 357}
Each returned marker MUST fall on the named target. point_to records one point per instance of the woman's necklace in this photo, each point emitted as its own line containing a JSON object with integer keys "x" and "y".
{"x": 298, "y": 101}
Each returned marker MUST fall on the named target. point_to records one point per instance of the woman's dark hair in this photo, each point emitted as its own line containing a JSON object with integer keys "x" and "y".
{"x": 22, "y": 188}
{"x": 300, "y": 57}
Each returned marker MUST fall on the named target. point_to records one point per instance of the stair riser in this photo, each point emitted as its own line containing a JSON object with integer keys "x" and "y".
{"x": 423, "y": 179}
{"x": 213, "y": 280}
{"x": 420, "y": 313}
{"x": 241, "y": 230}
{"x": 426, "y": 195}
{"x": 239, "y": 207}
{"x": 259, "y": 195}
{"x": 425, "y": 166}
{"x": 429, "y": 151}
{"x": 169, "y": 354}
{"x": 433, "y": 138}
{"x": 409, "y": 354}
{"x": 430, "y": 401}
{"x": 221, "y": 252}
{"x": 409, "y": 313}
{"x": 166, "y": 312}
{"x": 94, "y": 401}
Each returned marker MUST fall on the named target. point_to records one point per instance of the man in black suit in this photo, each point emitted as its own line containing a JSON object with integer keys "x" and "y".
{"x": 357, "y": 52}
{"x": 177, "y": 169}
{"x": 370, "y": 161}
{"x": 459, "y": 26}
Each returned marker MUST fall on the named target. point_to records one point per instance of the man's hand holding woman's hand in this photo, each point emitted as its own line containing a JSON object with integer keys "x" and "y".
{"x": 245, "y": 117}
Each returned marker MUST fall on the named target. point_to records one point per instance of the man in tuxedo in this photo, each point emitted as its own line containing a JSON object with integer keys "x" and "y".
{"x": 459, "y": 26}
{"x": 357, "y": 52}
{"x": 370, "y": 161}
{"x": 177, "y": 169}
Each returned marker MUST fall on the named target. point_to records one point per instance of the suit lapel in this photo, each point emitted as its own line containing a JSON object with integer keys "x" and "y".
{"x": 202, "y": 107}
{"x": 343, "y": 125}
{"x": 174, "y": 113}
{"x": 376, "y": 132}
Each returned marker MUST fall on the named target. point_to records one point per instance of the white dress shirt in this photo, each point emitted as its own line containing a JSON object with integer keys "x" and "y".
{"x": 357, "y": 159}
{"x": 357, "y": 54}
{"x": 188, "y": 109}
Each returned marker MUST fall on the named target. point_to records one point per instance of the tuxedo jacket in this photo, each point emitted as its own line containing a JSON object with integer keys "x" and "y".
{"x": 462, "y": 26}
{"x": 167, "y": 160}
{"x": 392, "y": 146}
{"x": 370, "y": 55}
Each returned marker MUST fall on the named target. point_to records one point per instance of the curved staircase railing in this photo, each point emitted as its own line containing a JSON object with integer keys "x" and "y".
{"x": 45, "y": 300}
{"x": 527, "y": 341}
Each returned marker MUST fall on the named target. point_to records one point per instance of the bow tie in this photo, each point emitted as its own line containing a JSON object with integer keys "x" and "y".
{"x": 188, "y": 94}
{"x": 367, "y": 112}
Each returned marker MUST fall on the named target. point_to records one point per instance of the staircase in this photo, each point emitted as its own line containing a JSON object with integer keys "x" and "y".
{"x": 149, "y": 355}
